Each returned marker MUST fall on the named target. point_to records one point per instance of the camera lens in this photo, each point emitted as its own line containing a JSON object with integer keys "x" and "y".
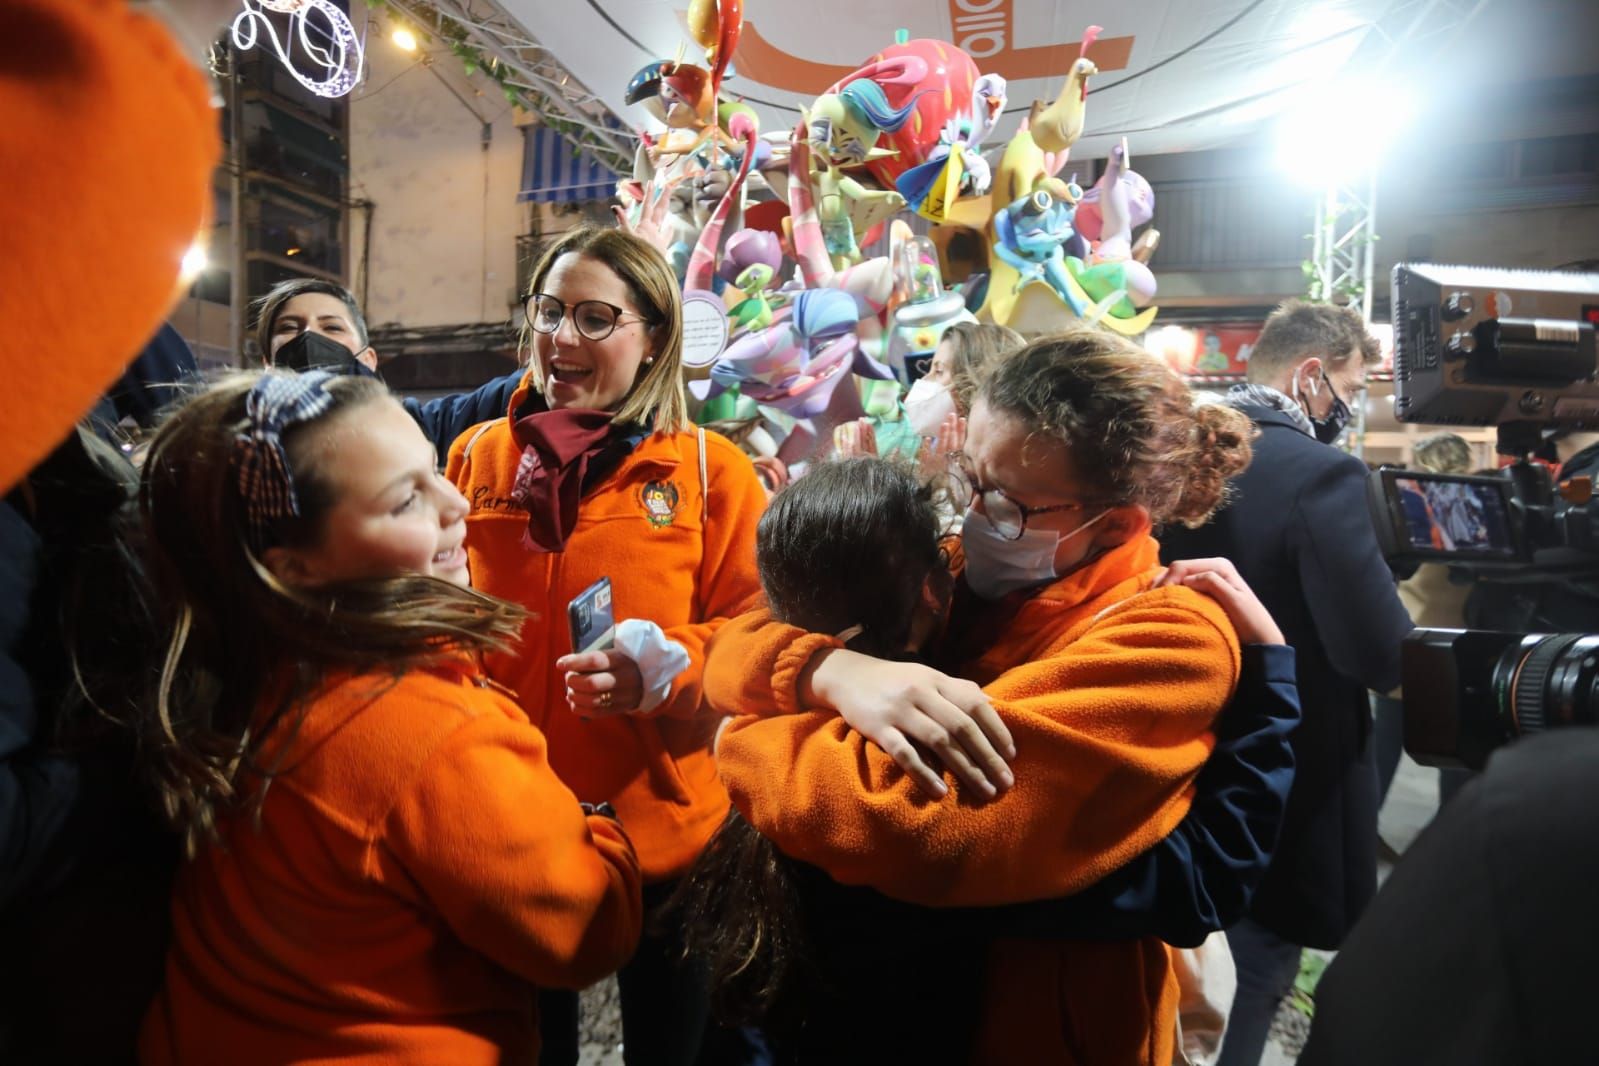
{"x": 1545, "y": 681}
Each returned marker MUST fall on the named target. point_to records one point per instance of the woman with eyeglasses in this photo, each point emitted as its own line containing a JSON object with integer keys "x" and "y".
{"x": 597, "y": 472}
{"x": 1077, "y": 708}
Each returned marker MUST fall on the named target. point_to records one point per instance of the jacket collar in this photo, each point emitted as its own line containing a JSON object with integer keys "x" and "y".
{"x": 1139, "y": 554}
{"x": 978, "y": 627}
{"x": 1267, "y": 416}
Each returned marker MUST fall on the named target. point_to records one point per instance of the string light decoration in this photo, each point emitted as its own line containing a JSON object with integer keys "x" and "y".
{"x": 341, "y": 59}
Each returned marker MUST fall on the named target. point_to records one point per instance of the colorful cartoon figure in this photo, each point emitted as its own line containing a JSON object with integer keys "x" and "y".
{"x": 955, "y": 167}
{"x": 683, "y": 95}
{"x": 1029, "y": 233}
{"x": 843, "y": 129}
{"x": 1124, "y": 200}
{"x": 845, "y": 125}
{"x": 1057, "y": 126}
{"x": 1032, "y": 235}
{"x": 795, "y": 365}
{"x": 927, "y": 311}
{"x": 750, "y": 265}
{"x": 747, "y": 248}
{"x": 937, "y": 81}
{"x": 755, "y": 310}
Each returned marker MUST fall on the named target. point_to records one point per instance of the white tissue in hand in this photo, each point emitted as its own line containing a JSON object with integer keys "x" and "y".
{"x": 659, "y": 660}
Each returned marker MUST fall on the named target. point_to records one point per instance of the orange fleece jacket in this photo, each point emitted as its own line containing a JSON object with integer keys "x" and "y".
{"x": 1109, "y": 689}
{"x": 674, "y": 558}
{"x": 107, "y": 145}
{"x": 417, "y": 868}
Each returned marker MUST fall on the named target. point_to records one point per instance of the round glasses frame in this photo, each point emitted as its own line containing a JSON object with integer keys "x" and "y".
{"x": 1008, "y": 517}
{"x": 531, "y": 304}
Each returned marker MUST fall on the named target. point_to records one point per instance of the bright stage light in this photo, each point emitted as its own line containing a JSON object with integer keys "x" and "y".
{"x": 1338, "y": 132}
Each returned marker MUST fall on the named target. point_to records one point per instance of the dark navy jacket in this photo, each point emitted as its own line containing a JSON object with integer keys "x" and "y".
{"x": 1299, "y": 531}
{"x": 447, "y": 417}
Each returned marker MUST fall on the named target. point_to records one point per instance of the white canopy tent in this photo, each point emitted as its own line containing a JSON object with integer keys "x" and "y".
{"x": 1176, "y": 75}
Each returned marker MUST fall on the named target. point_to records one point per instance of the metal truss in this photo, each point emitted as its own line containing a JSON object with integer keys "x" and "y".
{"x": 545, "y": 86}
{"x": 1343, "y": 258}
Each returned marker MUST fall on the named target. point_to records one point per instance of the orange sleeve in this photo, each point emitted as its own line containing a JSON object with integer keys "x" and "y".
{"x": 727, "y": 581}
{"x": 753, "y": 664}
{"x": 107, "y": 148}
{"x": 501, "y": 848}
{"x": 1110, "y": 731}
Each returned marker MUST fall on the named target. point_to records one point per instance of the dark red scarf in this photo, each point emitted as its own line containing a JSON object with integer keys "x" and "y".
{"x": 558, "y": 449}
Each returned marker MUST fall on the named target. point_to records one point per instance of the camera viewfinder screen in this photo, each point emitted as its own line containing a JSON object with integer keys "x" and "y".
{"x": 1455, "y": 516}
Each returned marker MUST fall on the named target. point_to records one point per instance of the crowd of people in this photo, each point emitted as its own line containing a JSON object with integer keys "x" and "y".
{"x": 1025, "y": 751}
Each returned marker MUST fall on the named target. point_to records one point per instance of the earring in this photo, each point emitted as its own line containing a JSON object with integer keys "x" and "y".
{"x": 650, "y": 361}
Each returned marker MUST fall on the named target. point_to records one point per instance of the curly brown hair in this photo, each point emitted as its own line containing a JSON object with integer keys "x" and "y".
{"x": 1130, "y": 422}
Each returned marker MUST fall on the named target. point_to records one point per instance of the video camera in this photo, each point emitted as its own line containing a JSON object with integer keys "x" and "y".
{"x": 1515, "y": 349}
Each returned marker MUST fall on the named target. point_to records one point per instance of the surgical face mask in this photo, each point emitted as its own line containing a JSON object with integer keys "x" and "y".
{"x": 312, "y": 351}
{"x": 996, "y": 567}
{"x": 1330, "y": 427}
{"x": 927, "y": 405}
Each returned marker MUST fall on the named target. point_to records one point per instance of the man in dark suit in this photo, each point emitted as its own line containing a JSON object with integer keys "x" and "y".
{"x": 1300, "y": 534}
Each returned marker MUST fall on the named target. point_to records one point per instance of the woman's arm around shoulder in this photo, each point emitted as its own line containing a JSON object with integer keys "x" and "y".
{"x": 1109, "y": 730}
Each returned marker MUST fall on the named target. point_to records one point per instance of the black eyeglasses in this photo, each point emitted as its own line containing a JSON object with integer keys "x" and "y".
{"x": 1008, "y": 517}
{"x": 594, "y": 319}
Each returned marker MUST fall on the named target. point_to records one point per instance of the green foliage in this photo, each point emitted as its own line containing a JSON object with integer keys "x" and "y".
{"x": 1347, "y": 291}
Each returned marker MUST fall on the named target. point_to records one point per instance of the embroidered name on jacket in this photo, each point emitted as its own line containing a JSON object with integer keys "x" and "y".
{"x": 484, "y": 499}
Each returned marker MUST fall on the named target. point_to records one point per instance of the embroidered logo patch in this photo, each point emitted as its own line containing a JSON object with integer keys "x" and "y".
{"x": 659, "y": 500}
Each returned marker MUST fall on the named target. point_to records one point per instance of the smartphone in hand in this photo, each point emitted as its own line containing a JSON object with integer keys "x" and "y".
{"x": 592, "y": 618}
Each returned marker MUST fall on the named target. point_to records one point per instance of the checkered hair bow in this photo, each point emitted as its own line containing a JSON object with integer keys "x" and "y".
{"x": 277, "y": 402}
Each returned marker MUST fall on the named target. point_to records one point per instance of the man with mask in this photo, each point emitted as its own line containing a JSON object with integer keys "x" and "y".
{"x": 309, "y": 324}
{"x": 1300, "y": 534}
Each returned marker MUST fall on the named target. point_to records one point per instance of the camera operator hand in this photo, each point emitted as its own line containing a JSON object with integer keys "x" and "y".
{"x": 1219, "y": 579}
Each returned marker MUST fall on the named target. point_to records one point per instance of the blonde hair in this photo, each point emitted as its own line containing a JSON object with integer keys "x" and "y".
{"x": 657, "y": 399}
{"x": 1130, "y": 422}
{"x": 1443, "y": 453}
{"x": 974, "y": 348}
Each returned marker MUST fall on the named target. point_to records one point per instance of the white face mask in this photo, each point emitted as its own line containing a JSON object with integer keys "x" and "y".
{"x": 927, "y": 405}
{"x": 996, "y": 567}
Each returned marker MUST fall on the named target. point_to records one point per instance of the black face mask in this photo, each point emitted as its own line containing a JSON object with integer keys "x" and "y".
{"x": 1330, "y": 428}
{"x": 312, "y": 351}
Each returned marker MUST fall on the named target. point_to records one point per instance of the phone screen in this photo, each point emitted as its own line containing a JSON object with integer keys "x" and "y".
{"x": 592, "y": 618}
